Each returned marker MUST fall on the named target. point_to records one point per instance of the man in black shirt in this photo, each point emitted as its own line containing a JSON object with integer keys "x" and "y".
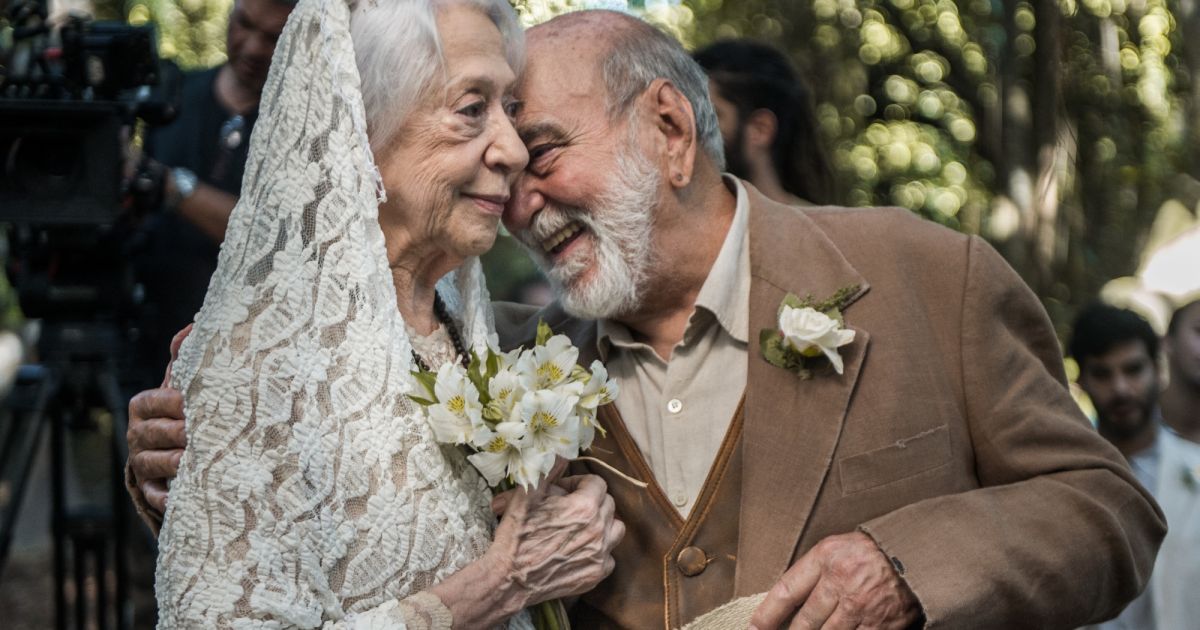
{"x": 204, "y": 153}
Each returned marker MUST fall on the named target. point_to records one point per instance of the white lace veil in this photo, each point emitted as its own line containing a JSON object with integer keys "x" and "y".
{"x": 295, "y": 374}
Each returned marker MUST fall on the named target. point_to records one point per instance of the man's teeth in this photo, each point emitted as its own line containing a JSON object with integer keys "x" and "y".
{"x": 558, "y": 237}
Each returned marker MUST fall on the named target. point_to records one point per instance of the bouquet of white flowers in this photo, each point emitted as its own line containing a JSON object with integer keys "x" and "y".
{"x": 518, "y": 410}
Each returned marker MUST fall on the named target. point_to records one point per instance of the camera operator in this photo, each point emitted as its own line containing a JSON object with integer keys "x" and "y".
{"x": 199, "y": 159}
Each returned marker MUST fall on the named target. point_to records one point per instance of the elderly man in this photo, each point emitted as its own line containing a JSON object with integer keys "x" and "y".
{"x": 932, "y": 467}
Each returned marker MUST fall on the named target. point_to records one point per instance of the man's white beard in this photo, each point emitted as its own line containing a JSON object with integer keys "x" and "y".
{"x": 620, "y": 225}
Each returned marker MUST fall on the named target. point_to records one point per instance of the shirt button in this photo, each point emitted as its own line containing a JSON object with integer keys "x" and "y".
{"x": 679, "y": 499}
{"x": 675, "y": 405}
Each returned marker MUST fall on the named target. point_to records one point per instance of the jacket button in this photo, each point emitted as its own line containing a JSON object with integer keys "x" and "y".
{"x": 691, "y": 561}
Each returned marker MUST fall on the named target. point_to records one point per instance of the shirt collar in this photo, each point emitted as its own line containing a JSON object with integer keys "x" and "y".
{"x": 725, "y": 293}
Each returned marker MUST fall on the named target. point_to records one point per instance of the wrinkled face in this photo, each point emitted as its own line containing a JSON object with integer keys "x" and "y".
{"x": 584, "y": 207}
{"x": 1183, "y": 347}
{"x": 254, "y": 27}
{"x": 1123, "y": 386}
{"x": 450, "y": 167}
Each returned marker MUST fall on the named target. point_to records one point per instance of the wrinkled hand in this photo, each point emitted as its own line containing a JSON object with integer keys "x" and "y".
{"x": 845, "y": 581}
{"x": 156, "y": 435}
{"x": 557, "y": 540}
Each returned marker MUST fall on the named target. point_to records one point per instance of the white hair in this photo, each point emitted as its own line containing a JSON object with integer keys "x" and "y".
{"x": 399, "y": 55}
{"x": 641, "y": 54}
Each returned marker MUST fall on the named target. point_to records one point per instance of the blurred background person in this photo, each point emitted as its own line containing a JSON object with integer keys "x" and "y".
{"x": 1117, "y": 353}
{"x": 1177, "y": 574}
{"x": 199, "y": 159}
{"x": 1158, "y": 431}
{"x": 767, "y": 121}
{"x": 1181, "y": 398}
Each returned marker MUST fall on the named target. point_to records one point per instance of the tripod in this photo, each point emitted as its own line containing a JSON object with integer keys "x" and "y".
{"x": 75, "y": 393}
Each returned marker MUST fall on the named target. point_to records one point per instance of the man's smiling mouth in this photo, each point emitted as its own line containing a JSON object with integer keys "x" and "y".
{"x": 559, "y": 241}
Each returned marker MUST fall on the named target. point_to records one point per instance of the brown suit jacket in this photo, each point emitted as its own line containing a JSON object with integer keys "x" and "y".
{"x": 950, "y": 438}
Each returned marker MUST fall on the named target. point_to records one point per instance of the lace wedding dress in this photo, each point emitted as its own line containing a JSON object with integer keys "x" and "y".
{"x": 312, "y": 492}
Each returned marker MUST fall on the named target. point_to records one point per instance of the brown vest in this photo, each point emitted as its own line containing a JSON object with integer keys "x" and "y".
{"x": 668, "y": 570}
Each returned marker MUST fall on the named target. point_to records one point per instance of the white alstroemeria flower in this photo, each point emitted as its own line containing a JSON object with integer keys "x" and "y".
{"x": 599, "y": 389}
{"x": 505, "y": 389}
{"x": 813, "y": 333}
{"x": 509, "y": 454}
{"x": 551, "y": 422}
{"x": 457, "y": 415}
{"x": 545, "y": 367}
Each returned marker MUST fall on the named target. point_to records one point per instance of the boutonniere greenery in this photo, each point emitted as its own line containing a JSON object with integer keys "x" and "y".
{"x": 810, "y": 333}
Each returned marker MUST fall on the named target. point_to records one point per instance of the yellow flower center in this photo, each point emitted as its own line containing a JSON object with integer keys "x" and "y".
{"x": 457, "y": 405}
{"x": 549, "y": 373}
{"x": 497, "y": 445}
{"x": 543, "y": 420}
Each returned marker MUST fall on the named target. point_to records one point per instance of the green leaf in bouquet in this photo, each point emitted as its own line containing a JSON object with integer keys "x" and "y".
{"x": 543, "y": 333}
{"x": 421, "y": 401}
{"x": 493, "y": 364}
{"x": 428, "y": 380}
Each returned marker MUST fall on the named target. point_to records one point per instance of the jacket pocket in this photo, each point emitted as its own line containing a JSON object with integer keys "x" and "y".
{"x": 900, "y": 460}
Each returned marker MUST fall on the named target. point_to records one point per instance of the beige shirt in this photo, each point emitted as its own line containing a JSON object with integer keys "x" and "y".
{"x": 677, "y": 411}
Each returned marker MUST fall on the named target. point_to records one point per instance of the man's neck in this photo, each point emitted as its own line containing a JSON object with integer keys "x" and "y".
{"x": 1132, "y": 445}
{"x": 1181, "y": 410}
{"x": 232, "y": 94}
{"x": 688, "y": 242}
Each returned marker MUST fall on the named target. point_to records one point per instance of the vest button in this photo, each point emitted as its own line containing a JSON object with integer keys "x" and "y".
{"x": 691, "y": 561}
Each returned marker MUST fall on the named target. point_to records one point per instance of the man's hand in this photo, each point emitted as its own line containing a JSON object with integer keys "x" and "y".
{"x": 845, "y": 581}
{"x": 156, "y": 435}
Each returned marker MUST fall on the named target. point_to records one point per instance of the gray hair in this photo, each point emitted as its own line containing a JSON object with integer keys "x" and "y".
{"x": 641, "y": 54}
{"x": 399, "y": 55}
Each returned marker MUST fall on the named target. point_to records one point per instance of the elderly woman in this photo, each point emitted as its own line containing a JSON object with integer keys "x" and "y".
{"x": 311, "y": 492}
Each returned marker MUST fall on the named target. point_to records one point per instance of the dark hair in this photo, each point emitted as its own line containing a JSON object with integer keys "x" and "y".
{"x": 754, "y": 76}
{"x": 1177, "y": 317}
{"x": 1100, "y": 327}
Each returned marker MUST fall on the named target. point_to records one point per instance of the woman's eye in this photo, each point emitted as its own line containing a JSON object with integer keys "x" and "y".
{"x": 512, "y": 108}
{"x": 474, "y": 110}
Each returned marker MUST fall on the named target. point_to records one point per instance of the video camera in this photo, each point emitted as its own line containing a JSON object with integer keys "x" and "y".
{"x": 70, "y": 95}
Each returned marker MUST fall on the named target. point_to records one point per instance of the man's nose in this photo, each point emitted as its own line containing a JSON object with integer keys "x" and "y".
{"x": 526, "y": 202}
{"x": 1123, "y": 386}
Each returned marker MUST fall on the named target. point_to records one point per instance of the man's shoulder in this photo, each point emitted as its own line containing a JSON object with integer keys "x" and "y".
{"x": 516, "y": 324}
{"x": 870, "y": 235}
{"x": 882, "y": 226}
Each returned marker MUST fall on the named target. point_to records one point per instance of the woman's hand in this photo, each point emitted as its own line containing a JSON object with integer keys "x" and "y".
{"x": 554, "y": 545}
{"x": 552, "y": 542}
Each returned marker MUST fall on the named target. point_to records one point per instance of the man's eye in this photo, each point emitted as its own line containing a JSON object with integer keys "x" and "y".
{"x": 540, "y": 151}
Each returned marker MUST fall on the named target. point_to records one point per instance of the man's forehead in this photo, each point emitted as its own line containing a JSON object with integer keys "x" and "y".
{"x": 559, "y": 91}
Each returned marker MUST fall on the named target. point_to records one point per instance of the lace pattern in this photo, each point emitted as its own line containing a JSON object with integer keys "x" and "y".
{"x": 312, "y": 492}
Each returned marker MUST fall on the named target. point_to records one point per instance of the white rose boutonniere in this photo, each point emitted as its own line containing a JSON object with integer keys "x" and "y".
{"x": 810, "y": 334}
{"x": 813, "y": 333}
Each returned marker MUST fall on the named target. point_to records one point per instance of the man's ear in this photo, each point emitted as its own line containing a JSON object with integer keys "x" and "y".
{"x": 759, "y": 129}
{"x": 676, "y": 125}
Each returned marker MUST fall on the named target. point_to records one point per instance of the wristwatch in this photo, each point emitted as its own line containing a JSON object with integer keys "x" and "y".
{"x": 185, "y": 184}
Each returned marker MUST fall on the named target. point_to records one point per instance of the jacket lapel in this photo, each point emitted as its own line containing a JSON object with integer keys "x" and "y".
{"x": 792, "y": 425}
